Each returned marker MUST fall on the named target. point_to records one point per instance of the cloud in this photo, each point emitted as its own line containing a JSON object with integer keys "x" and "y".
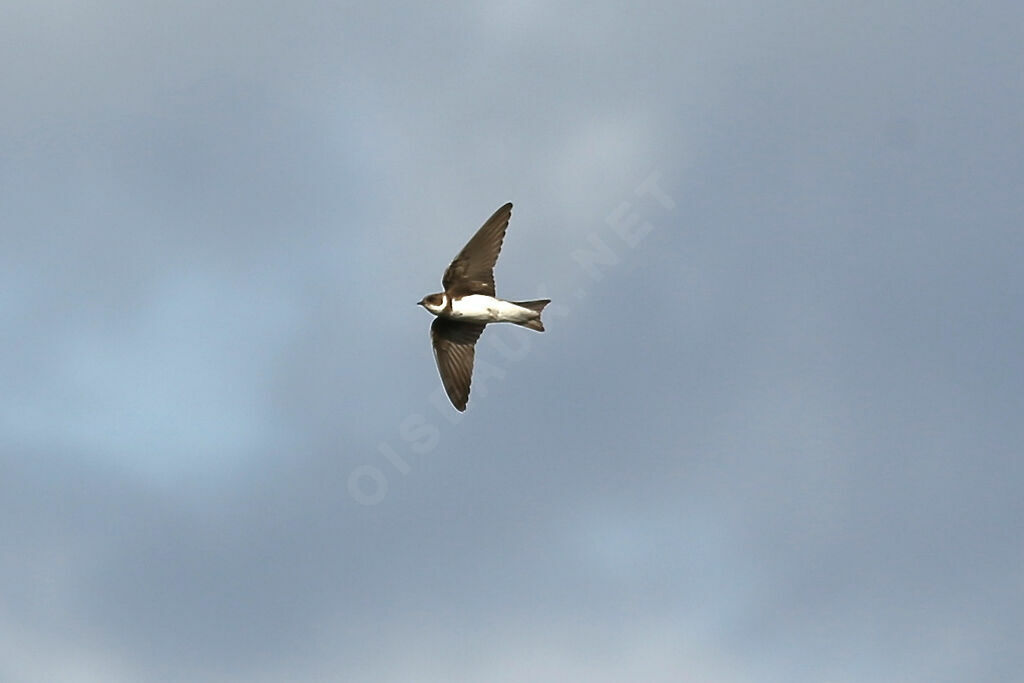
{"x": 774, "y": 436}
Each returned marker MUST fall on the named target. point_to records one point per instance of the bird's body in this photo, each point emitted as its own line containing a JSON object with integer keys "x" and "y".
{"x": 468, "y": 303}
{"x": 481, "y": 308}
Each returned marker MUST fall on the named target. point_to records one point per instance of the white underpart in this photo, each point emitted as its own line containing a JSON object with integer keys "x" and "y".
{"x": 480, "y": 308}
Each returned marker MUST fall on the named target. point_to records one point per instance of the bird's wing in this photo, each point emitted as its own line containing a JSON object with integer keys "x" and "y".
{"x": 472, "y": 271}
{"x": 453, "y": 343}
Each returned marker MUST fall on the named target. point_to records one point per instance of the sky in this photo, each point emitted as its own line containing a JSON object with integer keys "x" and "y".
{"x": 772, "y": 432}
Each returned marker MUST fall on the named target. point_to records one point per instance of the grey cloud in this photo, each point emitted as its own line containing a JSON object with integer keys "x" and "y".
{"x": 775, "y": 440}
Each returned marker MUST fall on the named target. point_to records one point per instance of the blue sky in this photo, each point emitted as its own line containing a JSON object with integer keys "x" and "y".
{"x": 773, "y": 429}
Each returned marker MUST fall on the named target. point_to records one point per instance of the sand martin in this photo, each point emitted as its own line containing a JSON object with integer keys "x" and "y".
{"x": 468, "y": 304}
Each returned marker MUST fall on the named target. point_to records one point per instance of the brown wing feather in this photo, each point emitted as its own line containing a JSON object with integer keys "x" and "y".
{"x": 453, "y": 344}
{"x": 472, "y": 271}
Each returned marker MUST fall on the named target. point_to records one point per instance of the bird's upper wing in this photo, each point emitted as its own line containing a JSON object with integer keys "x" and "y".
{"x": 472, "y": 271}
{"x": 453, "y": 343}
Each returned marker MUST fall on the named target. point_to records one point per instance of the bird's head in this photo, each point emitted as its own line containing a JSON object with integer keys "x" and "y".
{"x": 433, "y": 302}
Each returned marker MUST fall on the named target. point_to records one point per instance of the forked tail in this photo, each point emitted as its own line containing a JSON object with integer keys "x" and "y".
{"x": 535, "y": 306}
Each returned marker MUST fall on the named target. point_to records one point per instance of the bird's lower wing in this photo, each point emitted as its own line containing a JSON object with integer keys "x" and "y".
{"x": 454, "y": 345}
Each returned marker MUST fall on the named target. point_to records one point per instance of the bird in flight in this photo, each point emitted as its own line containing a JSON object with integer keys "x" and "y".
{"x": 468, "y": 304}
